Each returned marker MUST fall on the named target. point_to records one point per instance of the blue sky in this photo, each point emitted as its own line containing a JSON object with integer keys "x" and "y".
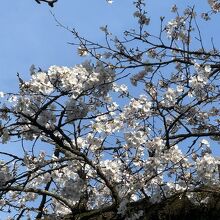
{"x": 29, "y": 34}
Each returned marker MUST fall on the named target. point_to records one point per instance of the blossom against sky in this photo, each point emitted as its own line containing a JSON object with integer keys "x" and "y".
{"x": 31, "y": 36}
{"x": 29, "y": 33}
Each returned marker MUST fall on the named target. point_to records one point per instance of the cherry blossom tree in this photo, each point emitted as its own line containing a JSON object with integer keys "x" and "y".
{"x": 129, "y": 133}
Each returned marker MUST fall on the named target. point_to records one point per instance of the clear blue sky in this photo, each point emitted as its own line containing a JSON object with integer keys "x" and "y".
{"x": 29, "y": 34}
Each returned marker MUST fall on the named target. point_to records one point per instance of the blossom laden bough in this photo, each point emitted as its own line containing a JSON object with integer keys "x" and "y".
{"x": 102, "y": 138}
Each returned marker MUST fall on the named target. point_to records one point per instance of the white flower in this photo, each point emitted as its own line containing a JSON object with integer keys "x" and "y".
{"x": 109, "y": 1}
{"x": 207, "y": 168}
{"x": 208, "y": 68}
{"x": 205, "y": 142}
{"x": 2, "y": 94}
{"x": 82, "y": 51}
{"x": 170, "y": 97}
{"x": 179, "y": 88}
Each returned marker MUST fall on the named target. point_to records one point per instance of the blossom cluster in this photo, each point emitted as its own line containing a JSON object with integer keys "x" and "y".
{"x": 92, "y": 140}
